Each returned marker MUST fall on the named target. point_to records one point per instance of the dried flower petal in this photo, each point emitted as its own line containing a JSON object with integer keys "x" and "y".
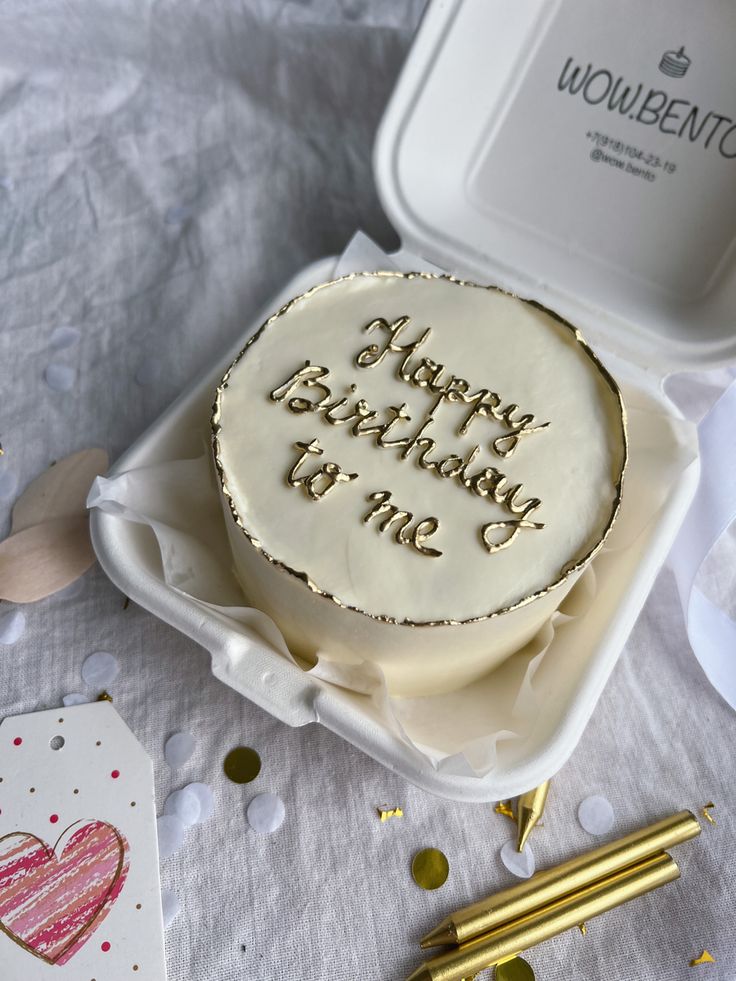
{"x": 61, "y": 491}
{"x": 39, "y": 561}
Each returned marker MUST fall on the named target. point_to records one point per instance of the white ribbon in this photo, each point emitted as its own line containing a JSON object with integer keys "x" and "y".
{"x": 711, "y": 631}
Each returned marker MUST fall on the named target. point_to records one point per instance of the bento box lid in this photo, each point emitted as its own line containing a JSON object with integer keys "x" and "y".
{"x": 582, "y": 154}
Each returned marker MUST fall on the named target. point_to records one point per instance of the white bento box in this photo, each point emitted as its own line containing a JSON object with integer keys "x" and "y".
{"x": 550, "y": 149}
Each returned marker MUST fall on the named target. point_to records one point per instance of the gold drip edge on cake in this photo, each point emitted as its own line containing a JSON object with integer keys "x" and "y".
{"x": 216, "y": 429}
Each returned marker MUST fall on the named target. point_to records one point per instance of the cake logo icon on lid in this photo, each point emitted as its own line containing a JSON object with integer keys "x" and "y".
{"x": 674, "y": 63}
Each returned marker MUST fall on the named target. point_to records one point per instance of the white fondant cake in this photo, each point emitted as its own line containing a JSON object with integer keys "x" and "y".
{"x": 415, "y": 470}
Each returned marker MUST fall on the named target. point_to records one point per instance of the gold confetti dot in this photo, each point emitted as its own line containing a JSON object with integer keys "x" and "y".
{"x": 705, "y": 958}
{"x": 504, "y": 807}
{"x": 430, "y": 868}
{"x": 583, "y": 928}
{"x": 104, "y": 696}
{"x": 242, "y": 764}
{"x": 389, "y": 812}
{"x": 706, "y": 812}
{"x": 517, "y": 969}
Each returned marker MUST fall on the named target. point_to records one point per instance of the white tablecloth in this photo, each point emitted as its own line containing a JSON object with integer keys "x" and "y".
{"x": 164, "y": 166}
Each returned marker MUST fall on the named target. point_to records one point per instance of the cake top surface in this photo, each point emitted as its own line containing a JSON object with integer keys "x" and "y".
{"x": 418, "y": 448}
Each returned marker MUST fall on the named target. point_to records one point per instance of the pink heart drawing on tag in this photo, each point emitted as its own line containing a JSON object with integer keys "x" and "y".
{"x": 53, "y": 899}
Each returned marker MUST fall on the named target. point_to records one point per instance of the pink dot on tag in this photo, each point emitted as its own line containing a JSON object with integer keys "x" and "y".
{"x": 17, "y": 741}
{"x": 105, "y": 946}
{"x": 54, "y": 818}
{"x": 115, "y": 774}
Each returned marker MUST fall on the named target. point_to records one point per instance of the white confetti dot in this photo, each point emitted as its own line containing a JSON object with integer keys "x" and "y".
{"x": 8, "y": 485}
{"x": 171, "y": 832}
{"x": 74, "y": 698}
{"x": 178, "y": 749}
{"x": 170, "y": 906}
{"x": 520, "y": 864}
{"x": 595, "y": 815}
{"x": 100, "y": 669}
{"x": 266, "y": 813}
{"x": 60, "y": 377}
{"x": 178, "y": 213}
{"x": 149, "y": 372}
{"x": 12, "y": 627}
{"x": 62, "y": 337}
{"x": 206, "y": 799}
{"x": 185, "y": 805}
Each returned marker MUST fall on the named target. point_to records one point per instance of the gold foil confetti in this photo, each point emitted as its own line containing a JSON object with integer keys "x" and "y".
{"x": 504, "y": 807}
{"x": 242, "y": 764}
{"x": 707, "y": 815}
{"x": 517, "y": 969}
{"x": 582, "y": 927}
{"x": 104, "y": 696}
{"x": 389, "y": 812}
{"x": 705, "y": 957}
{"x": 430, "y": 868}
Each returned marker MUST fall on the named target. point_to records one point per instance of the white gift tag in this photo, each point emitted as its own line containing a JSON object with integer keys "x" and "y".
{"x": 79, "y": 887}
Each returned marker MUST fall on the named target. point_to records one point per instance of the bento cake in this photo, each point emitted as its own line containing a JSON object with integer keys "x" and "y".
{"x": 415, "y": 470}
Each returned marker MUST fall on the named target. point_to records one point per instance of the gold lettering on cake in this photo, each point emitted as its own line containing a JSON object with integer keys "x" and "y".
{"x": 405, "y": 534}
{"x": 307, "y": 390}
{"x": 516, "y": 524}
{"x": 309, "y": 376}
{"x": 321, "y": 481}
{"x": 428, "y": 374}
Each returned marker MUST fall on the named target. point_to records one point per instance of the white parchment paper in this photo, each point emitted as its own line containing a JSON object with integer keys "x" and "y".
{"x": 458, "y": 731}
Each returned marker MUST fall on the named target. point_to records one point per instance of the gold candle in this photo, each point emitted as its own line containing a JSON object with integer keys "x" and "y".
{"x": 541, "y": 924}
{"x": 551, "y": 884}
{"x": 529, "y": 809}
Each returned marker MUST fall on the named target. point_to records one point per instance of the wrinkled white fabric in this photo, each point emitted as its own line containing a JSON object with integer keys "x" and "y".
{"x": 164, "y": 167}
